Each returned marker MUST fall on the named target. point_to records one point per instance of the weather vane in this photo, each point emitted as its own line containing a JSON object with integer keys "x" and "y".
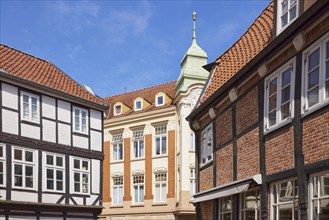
{"x": 194, "y": 19}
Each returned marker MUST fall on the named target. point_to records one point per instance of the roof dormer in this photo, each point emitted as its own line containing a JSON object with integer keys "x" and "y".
{"x": 119, "y": 109}
{"x": 161, "y": 99}
{"x": 287, "y": 12}
{"x": 140, "y": 104}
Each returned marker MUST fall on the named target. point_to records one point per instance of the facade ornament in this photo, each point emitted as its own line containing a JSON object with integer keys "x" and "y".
{"x": 117, "y": 174}
{"x": 171, "y": 125}
{"x": 159, "y": 170}
{"x": 137, "y": 172}
{"x": 126, "y": 133}
{"x": 148, "y": 129}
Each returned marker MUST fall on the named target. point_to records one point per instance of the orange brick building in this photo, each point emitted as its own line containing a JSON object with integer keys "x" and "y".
{"x": 262, "y": 122}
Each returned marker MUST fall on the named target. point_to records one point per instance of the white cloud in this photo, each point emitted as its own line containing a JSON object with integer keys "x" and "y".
{"x": 76, "y": 8}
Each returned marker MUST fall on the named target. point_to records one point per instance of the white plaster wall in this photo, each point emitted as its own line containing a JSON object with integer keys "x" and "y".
{"x": 137, "y": 166}
{"x": 78, "y": 200}
{"x": 12, "y": 217}
{"x": 49, "y": 130}
{"x": 64, "y": 111}
{"x": 3, "y": 194}
{"x": 9, "y": 121}
{"x": 50, "y": 198}
{"x": 24, "y": 196}
{"x": 96, "y": 168}
{"x": 9, "y": 96}
{"x": 92, "y": 199}
{"x": 64, "y": 134}
{"x": 160, "y": 163}
{"x": 30, "y": 131}
{"x": 95, "y": 119}
{"x": 81, "y": 142}
{"x": 96, "y": 140}
{"x": 117, "y": 167}
{"x": 48, "y": 107}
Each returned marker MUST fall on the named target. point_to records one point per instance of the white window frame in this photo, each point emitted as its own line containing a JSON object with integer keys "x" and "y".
{"x": 114, "y": 109}
{"x": 3, "y": 162}
{"x": 160, "y": 132}
{"x": 117, "y": 142}
{"x": 138, "y": 188}
{"x": 192, "y": 183}
{"x": 80, "y": 120}
{"x": 322, "y": 100}
{"x": 81, "y": 172}
{"x": 55, "y": 168}
{"x": 157, "y": 100}
{"x": 135, "y": 105}
{"x": 138, "y": 139}
{"x": 192, "y": 146}
{"x": 229, "y": 210}
{"x": 280, "y": 13}
{"x": 319, "y": 196}
{"x": 24, "y": 164}
{"x": 30, "y": 118}
{"x": 256, "y": 207}
{"x": 207, "y": 145}
{"x": 278, "y": 76}
{"x": 163, "y": 189}
{"x": 275, "y": 204}
{"x": 119, "y": 187}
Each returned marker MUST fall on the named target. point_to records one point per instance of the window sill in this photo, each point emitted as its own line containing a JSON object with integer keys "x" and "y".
{"x": 160, "y": 156}
{"x": 116, "y": 206}
{"x": 159, "y": 204}
{"x": 314, "y": 108}
{"x": 34, "y": 123}
{"x": 24, "y": 188}
{"x": 137, "y": 159}
{"x": 137, "y": 205}
{"x": 116, "y": 161}
{"x": 205, "y": 164}
{"x": 82, "y": 134}
{"x": 277, "y": 126}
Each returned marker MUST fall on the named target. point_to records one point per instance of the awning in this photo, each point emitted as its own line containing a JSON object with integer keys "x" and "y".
{"x": 227, "y": 189}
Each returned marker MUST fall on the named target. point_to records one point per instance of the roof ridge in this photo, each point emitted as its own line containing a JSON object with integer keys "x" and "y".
{"x": 250, "y": 26}
{"x": 139, "y": 89}
{"x": 25, "y": 53}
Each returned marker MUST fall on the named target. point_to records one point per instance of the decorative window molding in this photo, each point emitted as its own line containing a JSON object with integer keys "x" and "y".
{"x": 287, "y": 12}
{"x": 138, "y": 144}
{"x": 160, "y": 187}
{"x": 160, "y": 100}
{"x": 116, "y": 174}
{"x": 117, "y": 191}
{"x": 54, "y": 172}
{"x": 160, "y": 140}
{"x": 117, "y": 110}
{"x": 284, "y": 199}
{"x": 206, "y": 145}
{"x": 315, "y": 80}
{"x": 117, "y": 147}
{"x": 24, "y": 172}
{"x": 80, "y": 118}
{"x": 319, "y": 195}
{"x": 30, "y": 107}
{"x": 138, "y": 105}
{"x": 138, "y": 187}
{"x": 279, "y": 96}
{"x": 81, "y": 175}
{"x": 159, "y": 170}
{"x": 3, "y": 170}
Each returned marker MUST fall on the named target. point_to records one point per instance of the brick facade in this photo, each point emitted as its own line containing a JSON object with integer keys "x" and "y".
{"x": 224, "y": 127}
{"x": 206, "y": 178}
{"x": 224, "y": 165}
{"x": 207, "y": 210}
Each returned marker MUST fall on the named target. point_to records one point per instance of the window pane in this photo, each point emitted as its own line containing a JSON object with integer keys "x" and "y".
{"x": 59, "y": 161}
{"x": 85, "y": 165}
{"x": 29, "y": 156}
{"x": 59, "y": 185}
{"x": 285, "y": 211}
{"x": 315, "y": 187}
{"x": 1, "y": 172}
{"x": 1, "y": 151}
{"x": 285, "y": 111}
{"x": 50, "y": 174}
{"x": 18, "y": 154}
{"x": 250, "y": 200}
{"x": 25, "y": 98}
{"x": 313, "y": 96}
{"x": 18, "y": 169}
{"x": 293, "y": 13}
{"x": 59, "y": 175}
{"x": 29, "y": 171}
{"x": 157, "y": 145}
{"x": 76, "y": 182}
{"x": 324, "y": 209}
{"x": 273, "y": 86}
{"x": 160, "y": 100}
{"x": 164, "y": 145}
{"x": 272, "y": 103}
{"x": 272, "y": 118}
{"x": 226, "y": 204}
{"x": 120, "y": 157}
{"x": 286, "y": 77}
{"x": 136, "y": 149}
{"x": 50, "y": 160}
{"x": 141, "y": 194}
{"x": 315, "y": 209}
{"x": 313, "y": 59}
{"x": 285, "y": 96}
{"x": 77, "y": 164}
{"x": 313, "y": 78}
{"x": 85, "y": 183}
{"x": 284, "y": 20}
{"x": 29, "y": 176}
{"x": 50, "y": 184}
{"x": 324, "y": 186}
{"x": 141, "y": 147}
{"x": 250, "y": 215}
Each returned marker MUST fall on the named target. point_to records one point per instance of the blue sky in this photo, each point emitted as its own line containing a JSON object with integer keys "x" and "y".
{"x": 113, "y": 45}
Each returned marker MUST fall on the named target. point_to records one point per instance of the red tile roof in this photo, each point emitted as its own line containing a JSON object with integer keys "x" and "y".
{"x": 253, "y": 41}
{"x": 147, "y": 93}
{"x": 42, "y": 72}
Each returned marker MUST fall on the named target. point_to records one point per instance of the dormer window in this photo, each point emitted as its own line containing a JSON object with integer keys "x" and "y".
{"x": 138, "y": 105}
{"x": 287, "y": 13}
{"x": 159, "y": 100}
{"x": 117, "y": 110}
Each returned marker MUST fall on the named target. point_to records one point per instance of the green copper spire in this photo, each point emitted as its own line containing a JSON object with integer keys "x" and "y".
{"x": 191, "y": 64}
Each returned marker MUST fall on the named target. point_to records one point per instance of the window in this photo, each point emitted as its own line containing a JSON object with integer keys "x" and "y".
{"x": 206, "y": 145}
{"x": 160, "y": 186}
{"x": 138, "y": 105}
{"x": 81, "y": 172}
{"x": 54, "y": 172}
{"x": 316, "y": 75}
{"x": 117, "y": 110}
{"x": 138, "y": 139}
{"x": 159, "y": 100}
{"x": 192, "y": 182}
{"x": 250, "y": 205}
{"x": 24, "y": 172}
{"x": 319, "y": 196}
{"x": 192, "y": 146}
{"x": 117, "y": 190}
{"x": 287, "y": 13}
{"x": 2, "y": 164}
{"x": 161, "y": 140}
{"x": 117, "y": 147}
{"x": 225, "y": 208}
{"x": 138, "y": 185}
{"x": 279, "y": 96}
{"x": 80, "y": 120}
{"x": 284, "y": 200}
{"x": 30, "y": 107}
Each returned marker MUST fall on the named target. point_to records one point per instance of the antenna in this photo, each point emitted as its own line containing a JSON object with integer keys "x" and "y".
{"x": 194, "y": 29}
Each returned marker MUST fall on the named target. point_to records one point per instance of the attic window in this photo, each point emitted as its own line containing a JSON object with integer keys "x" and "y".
{"x": 138, "y": 105}
{"x": 159, "y": 100}
{"x": 287, "y": 13}
{"x": 117, "y": 110}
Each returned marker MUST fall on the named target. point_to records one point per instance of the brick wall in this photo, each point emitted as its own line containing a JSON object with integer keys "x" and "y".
{"x": 106, "y": 172}
{"x": 248, "y": 154}
{"x": 148, "y": 167}
{"x": 126, "y": 175}
{"x": 316, "y": 137}
{"x": 279, "y": 151}
{"x": 171, "y": 164}
{"x": 224, "y": 165}
{"x": 247, "y": 110}
{"x": 206, "y": 210}
{"x": 206, "y": 176}
{"x": 224, "y": 127}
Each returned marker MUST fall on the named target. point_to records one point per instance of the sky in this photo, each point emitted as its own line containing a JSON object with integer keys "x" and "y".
{"x": 117, "y": 46}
